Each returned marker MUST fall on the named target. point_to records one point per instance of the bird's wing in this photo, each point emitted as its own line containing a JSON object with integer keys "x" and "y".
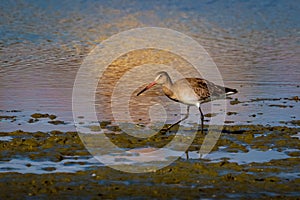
{"x": 205, "y": 89}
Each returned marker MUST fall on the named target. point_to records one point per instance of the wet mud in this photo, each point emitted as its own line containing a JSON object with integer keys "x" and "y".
{"x": 184, "y": 179}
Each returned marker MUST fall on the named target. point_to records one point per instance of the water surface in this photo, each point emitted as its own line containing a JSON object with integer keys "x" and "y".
{"x": 254, "y": 44}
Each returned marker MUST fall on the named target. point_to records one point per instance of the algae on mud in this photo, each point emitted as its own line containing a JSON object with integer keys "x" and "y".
{"x": 193, "y": 178}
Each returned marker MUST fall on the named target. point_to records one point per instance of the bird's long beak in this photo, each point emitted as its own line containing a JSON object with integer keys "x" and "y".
{"x": 146, "y": 88}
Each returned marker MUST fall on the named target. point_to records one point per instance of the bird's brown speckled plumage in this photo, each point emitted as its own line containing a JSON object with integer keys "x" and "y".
{"x": 190, "y": 91}
{"x": 207, "y": 90}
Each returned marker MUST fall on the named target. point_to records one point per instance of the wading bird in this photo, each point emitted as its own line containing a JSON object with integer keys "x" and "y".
{"x": 189, "y": 91}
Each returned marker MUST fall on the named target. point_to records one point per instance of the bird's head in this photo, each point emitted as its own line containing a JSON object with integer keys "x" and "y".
{"x": 161, "y": 78}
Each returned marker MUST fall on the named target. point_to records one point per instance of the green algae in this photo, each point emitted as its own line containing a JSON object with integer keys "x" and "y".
{"x": 56, "y": 122}
{"x": 235, "y": 101}
{"x": 279, "y": 105}
{"x": 295, "y": 122}
{"x": 31, "y": 120}
{"x": 7, "y": 117}
{"x": 265, "y": 99}
{"x": 197, "y": 178}
{"x": 39, "y": 115}
{"x": 52, "y": 117}
{"x": 231, "y": 113}
{"x": 209, "y": 115}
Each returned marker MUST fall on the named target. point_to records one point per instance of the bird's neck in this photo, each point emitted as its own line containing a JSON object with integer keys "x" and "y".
{"x": 167, "y": 87}
{"x": 168, "y": 84}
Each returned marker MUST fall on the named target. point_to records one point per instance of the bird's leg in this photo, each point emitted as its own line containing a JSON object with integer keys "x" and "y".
{"x": 185, "y": 117}
{"x": 202, "y": 119}
{"x": 187, "y": 154}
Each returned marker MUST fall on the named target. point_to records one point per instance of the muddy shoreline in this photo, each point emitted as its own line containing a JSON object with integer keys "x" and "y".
{"x": 184, "y": 179}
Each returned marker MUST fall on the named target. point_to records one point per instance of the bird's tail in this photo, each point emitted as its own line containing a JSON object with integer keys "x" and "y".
{"x": 229, "y": 91}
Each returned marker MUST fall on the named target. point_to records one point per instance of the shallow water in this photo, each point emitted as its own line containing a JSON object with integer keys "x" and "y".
{"x": 68, "y": 165}
{"x": 254, "y": 44}
{"x": 73, "y": 164}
